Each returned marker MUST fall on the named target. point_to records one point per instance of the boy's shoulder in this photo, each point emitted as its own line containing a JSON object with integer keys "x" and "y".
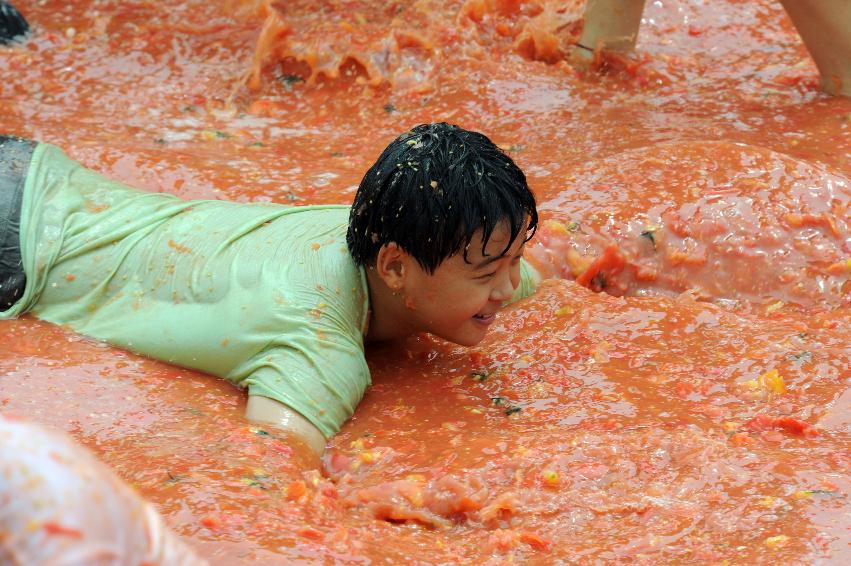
{"x": 306, "y": 220}
{"x": 315, "y": 262}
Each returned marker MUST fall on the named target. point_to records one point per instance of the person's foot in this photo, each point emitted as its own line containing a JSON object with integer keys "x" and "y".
{"x": 12, "y": 24}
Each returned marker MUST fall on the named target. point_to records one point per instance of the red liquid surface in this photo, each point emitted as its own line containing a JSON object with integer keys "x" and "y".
{"x": 586, "y": 428}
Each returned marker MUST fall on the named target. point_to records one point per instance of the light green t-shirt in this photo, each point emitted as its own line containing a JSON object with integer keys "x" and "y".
{"x": 263, "y": 295}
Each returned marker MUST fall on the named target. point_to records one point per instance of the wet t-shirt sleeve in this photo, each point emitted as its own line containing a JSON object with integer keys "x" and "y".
{"x": 529, "y": 281}
{"x": 317, "y": 368}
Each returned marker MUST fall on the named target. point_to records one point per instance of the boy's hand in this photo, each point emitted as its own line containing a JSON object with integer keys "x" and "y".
{"x": 306, "y": 440}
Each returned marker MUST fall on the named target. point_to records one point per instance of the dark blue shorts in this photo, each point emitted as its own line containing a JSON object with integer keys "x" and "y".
{"x": 15, "y": 156}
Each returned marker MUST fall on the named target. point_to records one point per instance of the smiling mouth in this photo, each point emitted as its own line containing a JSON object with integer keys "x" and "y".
{"x": 485, "y": 319}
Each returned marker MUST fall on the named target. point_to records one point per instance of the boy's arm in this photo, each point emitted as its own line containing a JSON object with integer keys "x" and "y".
{"x": 308, "y": 385}
{"x": 266, "y": 410}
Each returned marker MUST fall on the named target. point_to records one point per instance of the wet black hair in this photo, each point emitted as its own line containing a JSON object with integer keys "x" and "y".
{"x": 13, "y": 26}
{"x": 431, "y": 190}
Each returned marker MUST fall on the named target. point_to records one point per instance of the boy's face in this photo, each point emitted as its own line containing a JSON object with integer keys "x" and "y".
{"x": 460, "y": 300}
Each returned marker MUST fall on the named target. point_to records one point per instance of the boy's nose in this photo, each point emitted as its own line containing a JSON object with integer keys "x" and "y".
{"x": 504, "y": 289}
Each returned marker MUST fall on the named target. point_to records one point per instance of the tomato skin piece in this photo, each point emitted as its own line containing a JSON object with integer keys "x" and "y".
{"x": 684, "y": 388}
{"x": 790, "y": 425}
{"x": 296, "y": 489}
{"x": 476, "y": 358}
{"x": 535, "y": 541}
{"x": 610, "y": 263}
{"x": 797, "y": 427}
{"x": 311, "y": 533}
{"x": 741, "y": 439}
{"x": 339, "y": 462}
{"x": 53, "y": 528}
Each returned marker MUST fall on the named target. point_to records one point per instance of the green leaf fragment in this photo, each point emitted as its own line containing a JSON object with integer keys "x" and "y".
{"x": 479, "y": 375}
{"x": 289, "y": 80}
{"x": 254, "y": 482}
{"x": 824, "y": 493}
{"x": 513, "y": 410}
{"x": 172, "y": 479}
{"x": 650, "y": 235}
{"x": 803, "y": 356}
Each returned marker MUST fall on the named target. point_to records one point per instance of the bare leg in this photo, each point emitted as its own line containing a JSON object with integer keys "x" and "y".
{"x": 611, "y": 25}
{"x": 825, "y": 28}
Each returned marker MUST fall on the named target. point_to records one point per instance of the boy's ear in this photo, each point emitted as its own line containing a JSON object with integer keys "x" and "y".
{"x": 391, "y": 264}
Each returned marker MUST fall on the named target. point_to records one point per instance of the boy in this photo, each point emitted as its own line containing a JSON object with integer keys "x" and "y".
{"x": 277, "y": 299}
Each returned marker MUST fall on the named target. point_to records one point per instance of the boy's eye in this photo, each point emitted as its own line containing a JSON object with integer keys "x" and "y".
{"x": 486, "y": 275}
